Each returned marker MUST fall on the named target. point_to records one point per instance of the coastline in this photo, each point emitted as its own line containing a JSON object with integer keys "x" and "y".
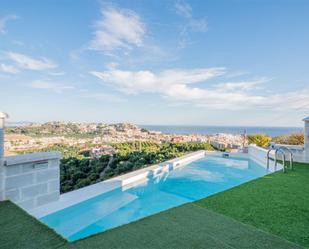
{"x": 211, "y": 130}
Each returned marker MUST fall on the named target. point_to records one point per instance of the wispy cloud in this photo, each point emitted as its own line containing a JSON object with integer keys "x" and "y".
{"x": 191, "y": 24}
{"x": 27, "y": 62}
{"x": 8, "y": 69}
{"x": 57, "y": 73}
{"x": 147, "y": 81}
{"x": 51, "y": 86}
{"x": 3, "y": 22}
{"x": 183, "y": 9}
{"x": 242, "y": 86}
{"x": 117, "y": 29}
{"x": 178, "y": 86}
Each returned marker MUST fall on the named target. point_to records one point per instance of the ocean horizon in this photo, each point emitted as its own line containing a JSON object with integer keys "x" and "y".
{"x": 204, "y": 129}
{"x": 210, "y": 130}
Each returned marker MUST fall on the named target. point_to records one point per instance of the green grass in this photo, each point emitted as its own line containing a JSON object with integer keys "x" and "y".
{"x": 275, "y": 209}
{"x": 277, "y": 203}
{"x": 20, "y": 230}
{"x": 187, "y": 226}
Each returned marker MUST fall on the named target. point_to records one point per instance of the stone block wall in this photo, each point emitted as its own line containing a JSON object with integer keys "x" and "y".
{"x": 30, "y": 180}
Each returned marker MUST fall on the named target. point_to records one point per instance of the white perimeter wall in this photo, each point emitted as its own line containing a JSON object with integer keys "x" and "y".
{"x": 258, "y": 153}
{"x": 30, "y": 180}
{"x": 124, "y": 181}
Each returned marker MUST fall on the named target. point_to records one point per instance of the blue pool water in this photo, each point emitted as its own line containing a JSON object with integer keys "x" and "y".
{"x": 186, "y": 184}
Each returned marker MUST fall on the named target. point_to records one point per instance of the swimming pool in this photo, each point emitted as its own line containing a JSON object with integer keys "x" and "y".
{"x": 188, "y": 183}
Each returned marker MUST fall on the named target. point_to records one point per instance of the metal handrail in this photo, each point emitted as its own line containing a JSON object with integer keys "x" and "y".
{"x": 291, "y": 154}
{"x": 283, "y": 157}
{"x": 268, "y": 157}
{"x": 281, "y": 149}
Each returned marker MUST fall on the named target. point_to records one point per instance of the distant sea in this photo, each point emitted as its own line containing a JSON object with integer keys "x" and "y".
{"x": 209, "y": 130}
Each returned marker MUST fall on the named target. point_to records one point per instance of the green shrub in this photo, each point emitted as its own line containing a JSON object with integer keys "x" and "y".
{"x": 261, "y": 140}
{"x": 292, "y": 139}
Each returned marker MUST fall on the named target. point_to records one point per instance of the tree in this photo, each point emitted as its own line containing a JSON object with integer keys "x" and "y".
{"x": 261, "y": 140}
{"x": 78, "y": 171}
{"x": 292, "y": 139}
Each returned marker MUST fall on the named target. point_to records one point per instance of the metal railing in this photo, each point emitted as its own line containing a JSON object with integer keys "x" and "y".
{"x": 282, "y": 150}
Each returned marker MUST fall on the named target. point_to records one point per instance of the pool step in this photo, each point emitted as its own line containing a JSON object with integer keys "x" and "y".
{"x": 77, "y": 219}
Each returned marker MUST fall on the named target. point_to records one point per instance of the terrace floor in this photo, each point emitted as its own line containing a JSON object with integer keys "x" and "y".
{"x": 264, "y": 213}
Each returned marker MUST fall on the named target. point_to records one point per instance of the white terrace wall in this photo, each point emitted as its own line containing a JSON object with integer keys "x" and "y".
{"x": 260, "y": 154}
{"x": 257, "y": 153}
{"x": 30, "y": 180}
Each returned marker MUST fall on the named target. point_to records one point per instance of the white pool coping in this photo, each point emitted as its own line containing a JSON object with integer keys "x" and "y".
{"x": 83, "y": 194}
{"x": 127, "y": 180}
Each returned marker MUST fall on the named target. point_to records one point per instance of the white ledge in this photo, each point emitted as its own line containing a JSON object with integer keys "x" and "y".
{"x": 122, "y": 181}
{"x": 31, "y": 158}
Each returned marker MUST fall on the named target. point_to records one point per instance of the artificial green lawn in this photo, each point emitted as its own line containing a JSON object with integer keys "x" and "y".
{"x": 275, "y": 204}
{"x": 20, "y": 230}
{"x": 187, "y": 226}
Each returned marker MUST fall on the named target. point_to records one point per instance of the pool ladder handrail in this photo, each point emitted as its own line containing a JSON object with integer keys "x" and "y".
{"x": 282, "y": 150}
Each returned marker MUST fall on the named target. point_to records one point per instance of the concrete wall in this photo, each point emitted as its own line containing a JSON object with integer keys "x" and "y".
{"x": 258, "y": 153}
{"x": 30, "y": 180}
{"x": 299, "y": 153}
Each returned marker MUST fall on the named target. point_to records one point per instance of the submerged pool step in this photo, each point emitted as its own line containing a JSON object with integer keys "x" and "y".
{"x": 131, "y": 212}
{"x": 77, "y": 219}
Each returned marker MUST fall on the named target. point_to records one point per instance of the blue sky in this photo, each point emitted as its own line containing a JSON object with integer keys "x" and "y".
{"x": 231, "y": 62}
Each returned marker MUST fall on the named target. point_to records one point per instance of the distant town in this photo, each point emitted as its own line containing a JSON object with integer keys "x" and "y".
{"x": 98, "y": 137}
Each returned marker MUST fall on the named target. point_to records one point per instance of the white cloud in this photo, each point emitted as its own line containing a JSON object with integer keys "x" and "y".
{"x": 56, "y": 73}
{"x": 191, "y": 24}
{"x": 117, "y": 29}
{"x": 8, "y": 69}
{"x": 198, "y": 25}
{"x": 47, "y": 85}
{"x": 177, "y": 86}
{"x": 185, "y": 10}
{"x": 111, "y": 65}
{"x": 241, "y": 85}
{"x": 3, "y": 22}
{"x": 27, "y": 62}
{"x": 147, "y": 81}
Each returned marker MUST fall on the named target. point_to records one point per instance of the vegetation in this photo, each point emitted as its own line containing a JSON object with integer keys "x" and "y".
{"x": 76, "y": 173}
{"x": 65, "y": 150}
{"x": 50, "y": 129}
{"x": 69, "y": 129}
{"x": 78, "y": 170}
{"x": 133, "y": 156}
{"x": 293, "y": 139}
{"x": 261, "y": 140}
